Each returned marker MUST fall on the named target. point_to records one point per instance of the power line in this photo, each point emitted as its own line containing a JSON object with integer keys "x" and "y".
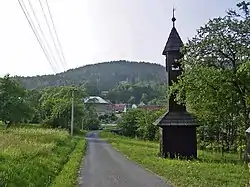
{"x": 27, "y": 15}
{"x": 47, "y": 22}
{"x": 39, "y": 26}
{"x": 59, "y": 43}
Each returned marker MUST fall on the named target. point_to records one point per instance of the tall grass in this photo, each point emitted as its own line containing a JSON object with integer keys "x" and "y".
{"x": 211, "y": 170}
{"x": 33, "y": 156}
{"x": 68, "y": 175}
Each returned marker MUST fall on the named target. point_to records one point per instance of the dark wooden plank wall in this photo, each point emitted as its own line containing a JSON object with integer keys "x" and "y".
{"x": 179, "y": 141}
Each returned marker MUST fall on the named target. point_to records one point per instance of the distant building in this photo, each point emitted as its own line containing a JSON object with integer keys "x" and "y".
{"x": 248, "y": 130}
{"x": 119, "y": 107}
{"x": 101, "y": 106}
{"x": 141, "y": 104}
{"x": 134, "y": 106}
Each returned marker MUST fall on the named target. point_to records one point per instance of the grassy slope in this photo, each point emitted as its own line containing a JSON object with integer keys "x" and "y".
{"x": 211, "y": 170}
{"x": 33, "y": 156}
{"x": 68, "y": 175}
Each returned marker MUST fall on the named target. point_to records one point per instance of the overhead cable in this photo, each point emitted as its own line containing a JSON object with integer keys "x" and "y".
{"x": 41, "y": 31}
{"x": 31, "y": 24}
{"x": 50, "y": 31}
{"x": 59, "y": 43}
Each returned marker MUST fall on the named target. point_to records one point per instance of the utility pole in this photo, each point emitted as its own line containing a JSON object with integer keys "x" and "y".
{"x": 72, "y": 113}
{"x": 82, "y": 124}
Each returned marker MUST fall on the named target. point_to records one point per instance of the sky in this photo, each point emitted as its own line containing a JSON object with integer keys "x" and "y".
{"x": 92, "y": 31}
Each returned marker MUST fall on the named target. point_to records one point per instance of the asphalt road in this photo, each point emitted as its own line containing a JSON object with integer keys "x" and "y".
{"x": 105, "y": 167}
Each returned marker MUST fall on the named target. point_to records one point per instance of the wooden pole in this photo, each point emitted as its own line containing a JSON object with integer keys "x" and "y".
{"x": 72, "y": 113}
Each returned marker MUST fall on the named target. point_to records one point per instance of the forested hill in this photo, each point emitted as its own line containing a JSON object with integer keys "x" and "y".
{"x": 104, "y": 75}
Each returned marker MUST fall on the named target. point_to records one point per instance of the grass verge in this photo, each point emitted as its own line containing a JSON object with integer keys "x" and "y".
{"x": 68, "y": 176}
{"x": 211, "y": 169}
{"x": 33, "y": 156}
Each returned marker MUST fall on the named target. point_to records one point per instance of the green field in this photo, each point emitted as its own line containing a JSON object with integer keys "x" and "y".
{"x": 32, "y": 156}
{"x": 212, "y": 169}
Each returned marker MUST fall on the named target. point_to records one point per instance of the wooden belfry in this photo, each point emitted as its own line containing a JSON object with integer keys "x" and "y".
{"x": 177, "y": 126}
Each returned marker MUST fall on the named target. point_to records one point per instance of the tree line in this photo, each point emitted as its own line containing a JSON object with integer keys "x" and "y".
{"x": 104, "y": 76}
{"x": 50, "y": 106}
{"x": 138, "y": 123}
{"x": 148, "y": 93}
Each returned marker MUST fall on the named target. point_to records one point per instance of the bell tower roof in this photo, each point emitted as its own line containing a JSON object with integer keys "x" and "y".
{"x": 174, "y": 42}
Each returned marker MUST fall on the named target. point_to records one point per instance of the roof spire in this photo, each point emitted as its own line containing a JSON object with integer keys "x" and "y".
{"x": 173, "y": 19}
{"x": 174, "y": 42}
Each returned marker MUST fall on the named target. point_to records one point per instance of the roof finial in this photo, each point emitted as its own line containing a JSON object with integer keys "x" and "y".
{"x": 173, "y": 19}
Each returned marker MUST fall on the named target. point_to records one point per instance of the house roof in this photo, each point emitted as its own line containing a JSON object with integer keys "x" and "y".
{"x": 95, "y": 99}
{"x": 174, "y": 42}
{"x": 157, "y": 122}
{"x": 248, "y": 130}
{"x": 176, "y": 119}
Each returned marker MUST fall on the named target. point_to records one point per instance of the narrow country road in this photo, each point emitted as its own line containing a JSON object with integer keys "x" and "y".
{"x": 105, "y": 167}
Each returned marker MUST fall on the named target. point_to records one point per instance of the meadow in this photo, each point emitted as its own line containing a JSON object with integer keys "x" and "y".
{"x": 211, "y": 169}
{"x": 33, "y": 156}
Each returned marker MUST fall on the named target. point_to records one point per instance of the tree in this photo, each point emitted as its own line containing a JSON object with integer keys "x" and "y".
{"x": 100, "y": 77}
{"x": 61, "y": 114}
{"x": 64, "y": 92}
{"x": 135, "y": 93}
{"x": 146, "y": 129}
{"x": 144, "y": 98}
{"x": 56, "y": 106}
{"x": 90, "y": 119}
{"x": 215, "y": 84}
{"x": 128, "y": 125}
{"x": 13, "y": 106}
{"x": 33, "y": 98}
{"x": 139, "y": 123}
{"x": 91, "y": 89}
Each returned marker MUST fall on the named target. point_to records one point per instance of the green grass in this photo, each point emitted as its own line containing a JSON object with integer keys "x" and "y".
{"x": 212, "y": 169}
{"x": 32, "y": 156}
{"x": 67, "y": 177}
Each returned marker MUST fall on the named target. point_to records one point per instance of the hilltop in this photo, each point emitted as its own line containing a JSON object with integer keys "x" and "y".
{"x": 104, "y": 75}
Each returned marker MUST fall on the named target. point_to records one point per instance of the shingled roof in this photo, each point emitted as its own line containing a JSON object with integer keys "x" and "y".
{"x": 174, "y": 42}
{"x": 95, "y": 99}
{"x": 176, "y": 119}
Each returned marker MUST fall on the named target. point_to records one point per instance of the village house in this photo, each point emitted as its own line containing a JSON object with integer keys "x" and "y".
{"x": 100, "y": 105}
{"x": 118, "y": 108}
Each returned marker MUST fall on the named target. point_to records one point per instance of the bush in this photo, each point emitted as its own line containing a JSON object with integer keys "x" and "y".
{"x": 139, "y": 123}
{"x": 128, "y": 124}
